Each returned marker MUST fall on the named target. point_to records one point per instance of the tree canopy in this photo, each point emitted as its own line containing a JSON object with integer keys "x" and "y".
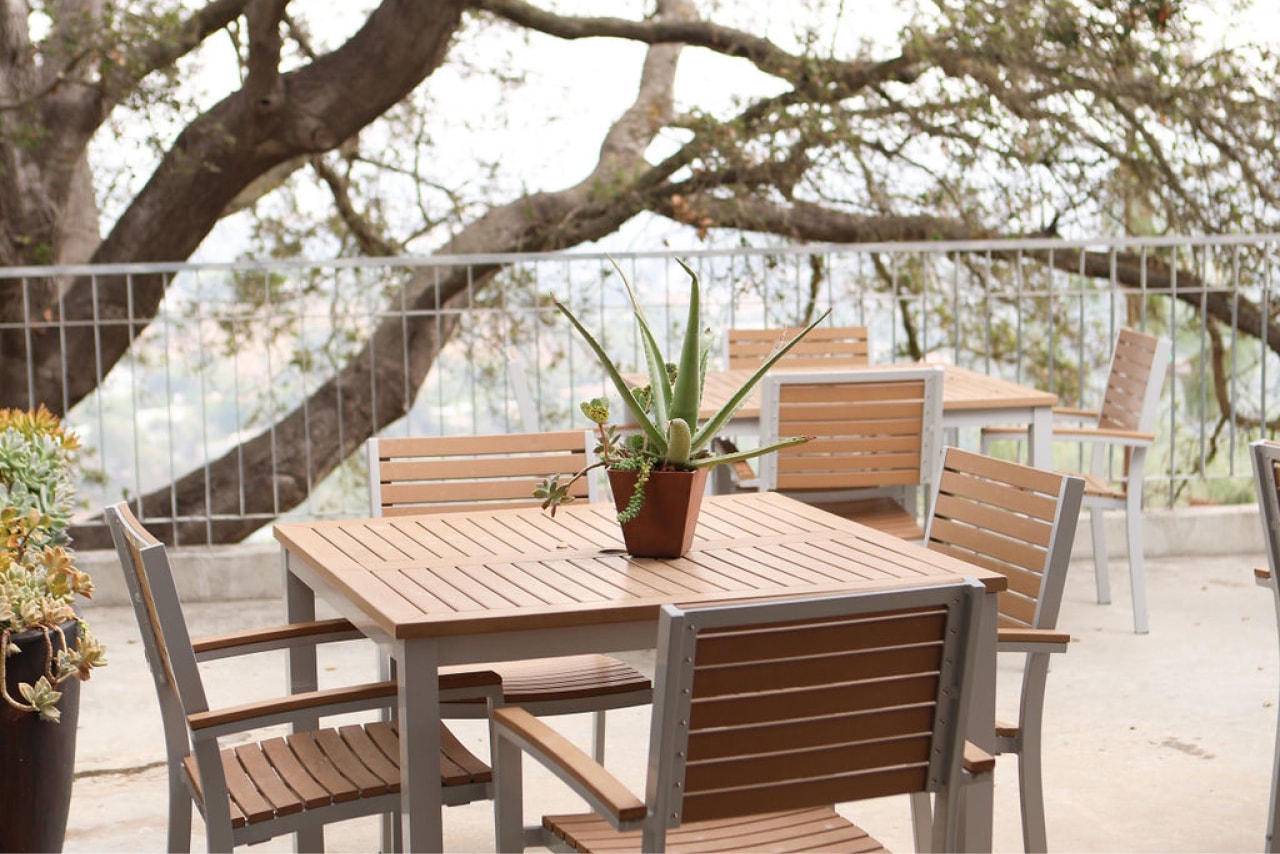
{"x": 142, "y": 131}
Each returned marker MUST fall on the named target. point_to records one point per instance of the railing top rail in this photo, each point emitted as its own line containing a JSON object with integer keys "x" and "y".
{"x": 504, "y": 258}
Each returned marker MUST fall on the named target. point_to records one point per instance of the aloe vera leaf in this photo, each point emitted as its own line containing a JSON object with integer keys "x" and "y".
{"x": 687, "y": 394}
{"x": 716, "y": 423}
{"x": 651, "y": 431}
{"x": 749, "y": 454}
{"x": 659, "y": 382}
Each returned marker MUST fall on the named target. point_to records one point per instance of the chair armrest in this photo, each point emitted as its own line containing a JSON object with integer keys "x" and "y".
{"x": 279, "y": 710}
{"x": 1032, "y": 640}
{"x": 333, "y": 701}
{"x": 274, "y": 637}
{"x": 604, "y": 792}
{"x": 976, "y": 760}
{"x": 1069, "y": 413}
{"x": 1262, "y": 577}
{"x": 1063, "y": 417}
{"x": 1108, "y": 435}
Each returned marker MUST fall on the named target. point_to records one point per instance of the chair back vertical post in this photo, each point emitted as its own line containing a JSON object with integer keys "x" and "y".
{"x": 179, "y": 688}
{"x": 1265, "y": 455}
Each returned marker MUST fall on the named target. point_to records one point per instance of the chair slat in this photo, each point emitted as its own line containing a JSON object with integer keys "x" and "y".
{"x": 816, "y": 702}
{"x": 357, "y": 738}
{"x": 260, "y": 769}
{"x": 349, "y": 765}
{"x": 321, "y": 769}
{"x": 730, "y": 646}
{"x": 802, "y": 733}
{"x": 698, "y": 806}
{"x": 243, "y": 792}
{"x": 761, "y": 765}
{"x": 834, "y": 346}
{"x": 292, "y": 772}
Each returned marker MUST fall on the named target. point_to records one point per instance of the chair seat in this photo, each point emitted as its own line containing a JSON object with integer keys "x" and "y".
{"x": 821, "y": 829}
{"x": 308, "y": 770}
{"x": 575, "y": 677}
{"x": 883, "y": 514}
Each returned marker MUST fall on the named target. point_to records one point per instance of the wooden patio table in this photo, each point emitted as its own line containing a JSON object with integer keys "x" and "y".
{"x": 969, "y": 399}
{"x": 462, "y": 588}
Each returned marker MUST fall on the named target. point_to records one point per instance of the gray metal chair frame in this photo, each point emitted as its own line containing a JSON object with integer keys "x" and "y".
{"x": 1018, "y": 521}
{"x": 765, "y": 715}
{"x": 247, "y": 791}
{"x": 1126, "y": 421}
{"x": 1266, "y": 478}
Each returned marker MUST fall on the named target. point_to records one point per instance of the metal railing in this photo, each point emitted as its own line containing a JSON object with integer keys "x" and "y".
{"x": 233, "y": 348}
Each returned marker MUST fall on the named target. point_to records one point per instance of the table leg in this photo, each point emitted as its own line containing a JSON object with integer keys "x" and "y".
{"x": 977, "y": 800}
{"x": 419, "y": 722}
{"x": 300, "y": 606}
{"x": 1040, "y": 438}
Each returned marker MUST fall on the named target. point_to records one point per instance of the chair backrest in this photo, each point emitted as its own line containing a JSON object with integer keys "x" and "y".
{"x": 165, "y": 638}
{"x": 1138, "y": 366}
{"x": 792, "y": 704}
{"x": 441, "y": 474}
{"x": 823, "y": 347}
{"x": 1266, "y": 479}
{"x": 871, "y": 429}
{"x": 1014, "y": 519}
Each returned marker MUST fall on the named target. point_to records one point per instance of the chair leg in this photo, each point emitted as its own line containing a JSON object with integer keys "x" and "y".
{"x": 1272, "y": 845}
{"x": 1100, "y": 574}
{"x": 1030, "y": 768}
{"x": 1138, "y": 579}
{"x": 508, "y": 794}
{"x": 597, "y": 736}
{"x": 179, "y": 813}
{"x": 922, "y": 820}
{"x": 308, "y": 839}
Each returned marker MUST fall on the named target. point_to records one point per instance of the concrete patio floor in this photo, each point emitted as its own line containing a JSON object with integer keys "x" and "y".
{"x": 1160, "y": 742}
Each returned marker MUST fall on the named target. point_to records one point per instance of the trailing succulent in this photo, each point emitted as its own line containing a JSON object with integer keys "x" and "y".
{"x": 38, "y": 576}
{"x": 664, "y": 433}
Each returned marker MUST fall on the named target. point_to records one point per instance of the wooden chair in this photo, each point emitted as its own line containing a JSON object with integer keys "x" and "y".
{"x": 1126, "y": 421}
{"x": 825, "y": 347}
{"x": 437, "y": 474}
{"x": 876, "y": 439}
{"x": 766, "y": 714}
{"x": 251, "y": 790}
{"x": 1266, "y": 478}
{"x": 1018, "y": 521}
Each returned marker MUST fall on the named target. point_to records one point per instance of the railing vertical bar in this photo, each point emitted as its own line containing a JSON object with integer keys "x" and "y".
{"x": 99, "y": 403}
{"x": 162, "y": 317}
{"x": 1173, "y": 360}
{"x": 201, "y": 377}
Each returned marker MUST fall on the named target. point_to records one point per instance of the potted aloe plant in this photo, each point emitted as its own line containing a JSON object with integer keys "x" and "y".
{"x": 45, "y": 648}
{"x": 658, "y": 467}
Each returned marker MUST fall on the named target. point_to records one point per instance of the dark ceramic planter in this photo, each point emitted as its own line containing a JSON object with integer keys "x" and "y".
{"x": 37, "y": 758}
{"x": 667, "y": 519}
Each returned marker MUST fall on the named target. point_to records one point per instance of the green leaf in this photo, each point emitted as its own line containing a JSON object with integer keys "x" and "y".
{"x": 686, "y": 397}
{"x": 717, "y": 422}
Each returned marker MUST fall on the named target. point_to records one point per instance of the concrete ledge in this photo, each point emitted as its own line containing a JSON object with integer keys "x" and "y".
{"x": 226, "y": 573}
{"x": 203, "y": 573}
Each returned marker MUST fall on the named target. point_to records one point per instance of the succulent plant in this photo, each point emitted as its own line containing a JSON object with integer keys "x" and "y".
{"x": 664, "y": 433}
{"x": 38, "y": 576}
